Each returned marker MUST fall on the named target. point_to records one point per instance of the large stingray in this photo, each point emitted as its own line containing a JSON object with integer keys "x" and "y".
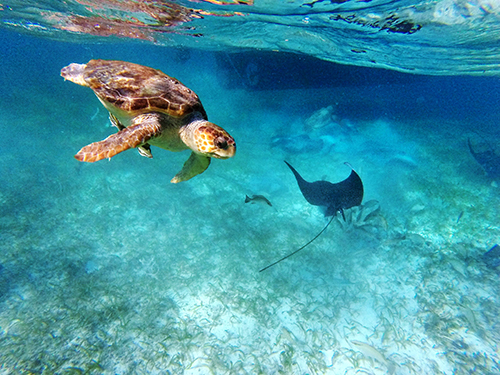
{"x": 333, "y": 197}
{"x": 487, "y": 158}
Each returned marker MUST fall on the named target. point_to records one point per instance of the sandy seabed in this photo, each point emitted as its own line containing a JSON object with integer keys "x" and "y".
{"x": 108, "y": 268}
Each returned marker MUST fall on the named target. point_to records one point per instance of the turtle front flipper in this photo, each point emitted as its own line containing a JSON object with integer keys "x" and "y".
{"x": 144, "y": 150}
{"x": 143, "y": 128}
{"x": 195, "y": 165}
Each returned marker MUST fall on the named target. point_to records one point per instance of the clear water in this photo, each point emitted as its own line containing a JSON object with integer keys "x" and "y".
{"x": 107, "y": 268}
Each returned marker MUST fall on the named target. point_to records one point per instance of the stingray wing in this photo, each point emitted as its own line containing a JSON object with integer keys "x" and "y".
{"x": 336, "y": 197}
{"x": 488, "y": 159}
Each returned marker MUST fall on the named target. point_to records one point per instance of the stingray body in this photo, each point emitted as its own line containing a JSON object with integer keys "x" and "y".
{"x": 334, "y": 197}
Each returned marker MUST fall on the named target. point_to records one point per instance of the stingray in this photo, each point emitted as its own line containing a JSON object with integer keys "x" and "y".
{"x": 488, "y": 159}
{"x": 333, "y": 197}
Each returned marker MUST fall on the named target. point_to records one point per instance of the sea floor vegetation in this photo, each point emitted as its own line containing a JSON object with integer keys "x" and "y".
{"x": 109, "y": 269}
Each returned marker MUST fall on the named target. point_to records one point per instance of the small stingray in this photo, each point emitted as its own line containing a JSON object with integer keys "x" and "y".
{"x": 334, "y": 197}
{"x": 488, "y": 159}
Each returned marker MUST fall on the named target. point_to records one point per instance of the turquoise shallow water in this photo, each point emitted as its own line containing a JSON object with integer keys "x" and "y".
{"x": 109, "y": 268}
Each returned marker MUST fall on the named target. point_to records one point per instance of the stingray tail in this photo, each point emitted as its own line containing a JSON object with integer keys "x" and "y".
{"x": 296, "y": 251}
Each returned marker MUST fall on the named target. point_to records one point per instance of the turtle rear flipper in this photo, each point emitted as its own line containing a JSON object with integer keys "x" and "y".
{"x": 142, "y": 130}
{"x": 195, "y": 165}
{"x": 144, "y": 150}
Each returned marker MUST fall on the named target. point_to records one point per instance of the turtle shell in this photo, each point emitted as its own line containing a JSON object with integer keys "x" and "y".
{"x": 139, "y": 89}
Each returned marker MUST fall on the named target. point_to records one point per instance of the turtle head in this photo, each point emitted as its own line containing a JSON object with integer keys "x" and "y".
{"x": 211, "y": 140}
{"x": 75, "y": 73}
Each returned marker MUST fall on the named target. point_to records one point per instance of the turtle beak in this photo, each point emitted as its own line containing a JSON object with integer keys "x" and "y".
{"x": 225, "y": 147}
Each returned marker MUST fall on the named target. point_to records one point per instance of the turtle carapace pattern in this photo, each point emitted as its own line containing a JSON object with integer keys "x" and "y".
{"x": 150, "y": 108}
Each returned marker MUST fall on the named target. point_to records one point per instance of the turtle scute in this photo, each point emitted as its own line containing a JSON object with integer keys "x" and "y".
{"x": 135, "y": 88}
{"x": 150, "y": 108}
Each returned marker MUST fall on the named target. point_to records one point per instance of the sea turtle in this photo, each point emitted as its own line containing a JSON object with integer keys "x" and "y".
{"x": 150, "y": 108}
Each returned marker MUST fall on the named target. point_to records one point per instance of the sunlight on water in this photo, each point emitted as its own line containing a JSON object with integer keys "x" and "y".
{"x": 444, "y": 37}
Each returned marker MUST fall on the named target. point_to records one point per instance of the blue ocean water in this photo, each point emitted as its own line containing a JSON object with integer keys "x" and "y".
{"x": 109, "y": 268}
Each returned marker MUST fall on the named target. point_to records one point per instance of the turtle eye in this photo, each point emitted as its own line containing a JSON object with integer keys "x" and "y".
{"x": 221, "y": 143}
